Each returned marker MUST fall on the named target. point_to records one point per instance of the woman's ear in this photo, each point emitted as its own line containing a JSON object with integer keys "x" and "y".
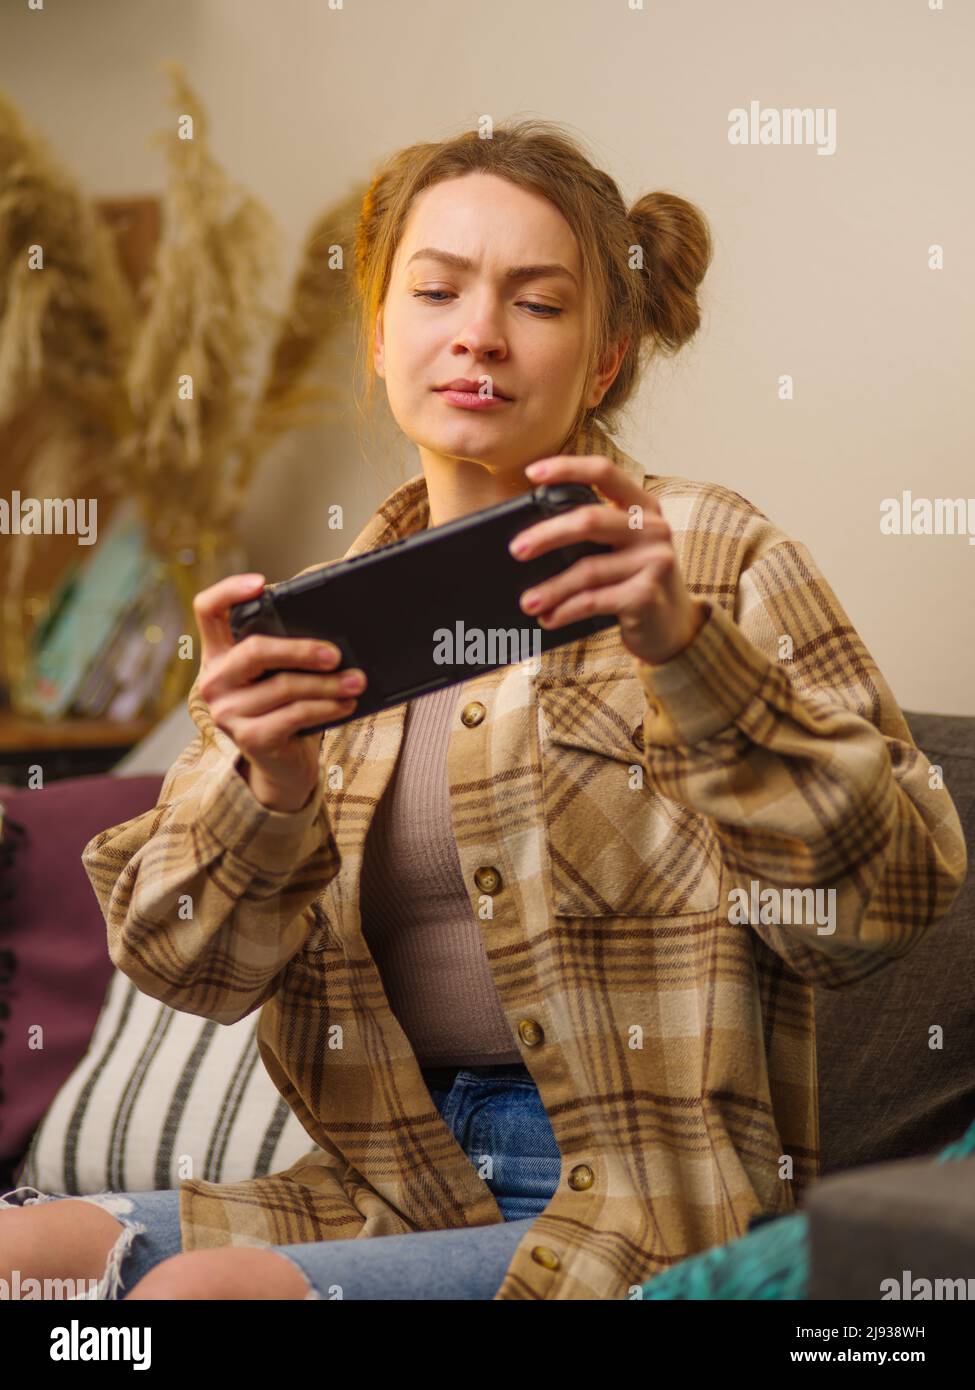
{"x": 606, "y": 375}
{"x": 377, "y": 352}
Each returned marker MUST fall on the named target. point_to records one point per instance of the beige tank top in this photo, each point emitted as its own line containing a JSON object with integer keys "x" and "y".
{"x": 417, "y": 916}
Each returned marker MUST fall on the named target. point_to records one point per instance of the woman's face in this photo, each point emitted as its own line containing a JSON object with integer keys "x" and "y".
{"x": 454, "y": 310}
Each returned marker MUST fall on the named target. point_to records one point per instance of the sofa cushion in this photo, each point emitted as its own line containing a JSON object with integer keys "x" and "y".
{"x": 161, "y": 1096}
{"x": 884, "y": 1091}
{"x": 54, "y": 963}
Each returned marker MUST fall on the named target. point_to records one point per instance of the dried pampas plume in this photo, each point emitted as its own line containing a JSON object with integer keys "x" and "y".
{"x": 320, "y": 304}
{"x": 67, "y": 319}
{"x": 66, "y": 329}
{"x": 193, "y": 357}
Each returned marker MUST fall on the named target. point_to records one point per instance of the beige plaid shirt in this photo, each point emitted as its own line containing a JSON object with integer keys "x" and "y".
{"x": 612, "y": 814}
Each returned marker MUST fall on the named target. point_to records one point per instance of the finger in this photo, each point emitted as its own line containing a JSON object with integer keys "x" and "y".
{"x": 250, "y": 701}
{"x": 598, "y": 472}
{"x": 211, "y": 610}
{"x": 587, "y": 523}
{"x": 613, "y": 598}
{"x": 591, "y": 572}
{"x": 261, "y": 652}
{"x": 267, "y": 732}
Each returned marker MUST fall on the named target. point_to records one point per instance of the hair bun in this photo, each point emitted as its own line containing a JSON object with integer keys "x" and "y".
{"x": 677, "y": 247}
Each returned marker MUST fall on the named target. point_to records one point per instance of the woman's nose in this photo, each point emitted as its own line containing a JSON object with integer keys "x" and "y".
{"x": 483, "y": 332}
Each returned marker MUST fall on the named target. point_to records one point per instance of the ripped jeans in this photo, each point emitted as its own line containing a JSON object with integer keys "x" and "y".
{"x": 495, "y": 1111}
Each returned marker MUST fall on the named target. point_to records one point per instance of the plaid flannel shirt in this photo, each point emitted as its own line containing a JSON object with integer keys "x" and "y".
{"x": 621, "y": 809}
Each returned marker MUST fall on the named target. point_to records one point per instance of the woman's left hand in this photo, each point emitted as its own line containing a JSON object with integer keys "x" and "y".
{"x": 640, "y": 582}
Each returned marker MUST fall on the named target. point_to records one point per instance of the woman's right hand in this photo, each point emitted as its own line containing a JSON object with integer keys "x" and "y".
{"x": 262, "y": 718}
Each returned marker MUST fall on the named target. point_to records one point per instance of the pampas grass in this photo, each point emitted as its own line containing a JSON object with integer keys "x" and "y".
{"x": 173, "y": 395}
{"x": 66, "y": 333}
{"x": 173, "y": 400}
{"x": 295, "y": 393}
{"x": 193, "y": 354}
{"x": 68, "y": 327}
{"x": 196, "y": 458}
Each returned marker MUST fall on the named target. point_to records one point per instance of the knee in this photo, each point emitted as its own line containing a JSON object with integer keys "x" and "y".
{"x": 56, "y": 1239}
{"x": 193, "y": 1274}
{"x": 14, "y": 1235}
{"x": 231, "y": 1272}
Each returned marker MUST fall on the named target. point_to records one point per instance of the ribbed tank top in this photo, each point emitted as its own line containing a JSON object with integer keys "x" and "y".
{"x": 417, "y": 917}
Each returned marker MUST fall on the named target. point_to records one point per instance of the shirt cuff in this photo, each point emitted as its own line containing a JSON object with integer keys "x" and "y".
{"x": 704, "y": 688}
{"x": 267, "y": 841}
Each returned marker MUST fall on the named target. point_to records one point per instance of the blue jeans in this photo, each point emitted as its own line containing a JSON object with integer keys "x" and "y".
{"x": 494, "y": 1112}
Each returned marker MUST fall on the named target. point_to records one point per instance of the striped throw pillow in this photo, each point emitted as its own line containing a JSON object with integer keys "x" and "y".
{"x": 158, "y": 1097}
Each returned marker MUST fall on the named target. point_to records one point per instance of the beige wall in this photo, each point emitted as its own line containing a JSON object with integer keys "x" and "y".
{"x": 821, "y": 267}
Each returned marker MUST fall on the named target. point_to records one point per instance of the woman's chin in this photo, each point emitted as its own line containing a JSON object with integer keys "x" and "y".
{"x": 471, "y": 439}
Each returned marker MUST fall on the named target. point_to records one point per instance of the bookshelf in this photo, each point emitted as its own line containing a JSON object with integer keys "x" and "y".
{"x": 64, "y": 747}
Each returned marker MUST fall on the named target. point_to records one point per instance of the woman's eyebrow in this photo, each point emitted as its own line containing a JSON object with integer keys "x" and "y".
{"x": 515, "y": 272}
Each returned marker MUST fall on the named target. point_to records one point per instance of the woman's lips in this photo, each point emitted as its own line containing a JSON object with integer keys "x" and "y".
{"x": 471, "y": 400}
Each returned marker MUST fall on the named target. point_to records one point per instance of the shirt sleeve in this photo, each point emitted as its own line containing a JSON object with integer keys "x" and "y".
{"x": 205, "y": 895}
{"x": 776, "y": 724}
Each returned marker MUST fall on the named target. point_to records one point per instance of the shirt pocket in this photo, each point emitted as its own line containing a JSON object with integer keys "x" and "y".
{"x": 615, "y": 847}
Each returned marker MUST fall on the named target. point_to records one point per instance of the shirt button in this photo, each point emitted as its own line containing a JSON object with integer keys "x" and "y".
{"x": 472, "y": 714}
{"x": 542, "y": 1255}
{"x": 487, "y": 878}
{"x": 637, "y": 737}
{"x": 581, "y": 1177}
{"x": 530, "y": 1032}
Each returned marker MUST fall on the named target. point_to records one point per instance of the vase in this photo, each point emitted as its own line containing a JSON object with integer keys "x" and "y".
{"x": 213, "y": 556}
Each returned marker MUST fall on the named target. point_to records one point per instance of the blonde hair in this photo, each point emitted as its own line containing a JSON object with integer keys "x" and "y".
{"x": 649, "y": 298}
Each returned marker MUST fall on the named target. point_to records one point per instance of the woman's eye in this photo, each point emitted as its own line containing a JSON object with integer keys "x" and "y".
{"x": 546, "y": 310}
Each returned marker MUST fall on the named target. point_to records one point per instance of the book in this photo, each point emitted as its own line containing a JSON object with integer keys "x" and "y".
{"x": 88, "y": 610}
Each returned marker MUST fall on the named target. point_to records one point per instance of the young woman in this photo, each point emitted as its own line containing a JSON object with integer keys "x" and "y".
{"x": 534, "y": 955}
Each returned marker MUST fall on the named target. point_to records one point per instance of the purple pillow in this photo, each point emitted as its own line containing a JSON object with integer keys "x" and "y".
{"x": 54, "y": 962}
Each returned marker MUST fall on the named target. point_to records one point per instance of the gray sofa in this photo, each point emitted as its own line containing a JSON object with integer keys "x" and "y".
{"x": 888, "y": 1100}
